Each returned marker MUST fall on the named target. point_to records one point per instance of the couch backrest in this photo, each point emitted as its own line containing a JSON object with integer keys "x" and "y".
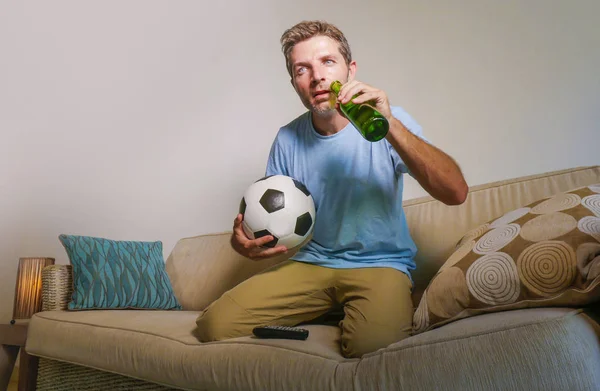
{"x": 202, "y": 268}
{"x": 436, "y": 228}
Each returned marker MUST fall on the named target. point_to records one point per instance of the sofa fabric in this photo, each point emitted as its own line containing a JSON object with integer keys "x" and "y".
{"x": 545, "y": 349}
{"x": 160, "y": 347}
{"x": 526, "y": 349}
{"x": 215, "y": 268}
{"x": 544, "y": 254}
{"x": 537, "y": 347}
{"x": 436, "y": 228}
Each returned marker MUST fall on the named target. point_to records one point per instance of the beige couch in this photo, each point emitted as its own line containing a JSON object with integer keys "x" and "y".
{"x": 530, "y": 349}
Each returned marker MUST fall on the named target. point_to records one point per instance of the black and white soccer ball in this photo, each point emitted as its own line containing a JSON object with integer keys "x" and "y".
{"x": 280, "y": 206}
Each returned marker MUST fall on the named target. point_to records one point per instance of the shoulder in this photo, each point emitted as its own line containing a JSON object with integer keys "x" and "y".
{"x": 299, "y": 122}
{"x": 407, "y": 120}
{"x": 292, "y": 130}
{"x": 402, "y": 115}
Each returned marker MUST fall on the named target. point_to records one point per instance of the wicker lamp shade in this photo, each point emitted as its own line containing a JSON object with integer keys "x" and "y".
{"x": 28, "y": 290}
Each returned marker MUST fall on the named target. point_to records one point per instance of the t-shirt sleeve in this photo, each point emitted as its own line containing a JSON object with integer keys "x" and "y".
{"x": 413, "y": 126}
{"x": 277, "y": 161}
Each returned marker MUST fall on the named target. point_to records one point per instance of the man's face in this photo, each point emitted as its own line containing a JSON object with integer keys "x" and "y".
{"x": 316, "y": 63}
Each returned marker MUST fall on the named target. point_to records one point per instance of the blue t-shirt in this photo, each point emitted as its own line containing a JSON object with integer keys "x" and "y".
{"x": 357, "y": 188}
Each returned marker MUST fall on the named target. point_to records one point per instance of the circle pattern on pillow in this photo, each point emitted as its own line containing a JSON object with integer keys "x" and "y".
{"x": 544, "y": 254}
{"x": 548, "y": 226}
{"x": 591, "y": 226}
{"x": 510, "y": 217}
{"x": 496, "y": 239}
{"x": 547, "y": 268}
{"x": 494, "y": 279}
{"x": 592, "y": 203}
{"x": 557, "y": 203}
{"x": 473, "y": 234}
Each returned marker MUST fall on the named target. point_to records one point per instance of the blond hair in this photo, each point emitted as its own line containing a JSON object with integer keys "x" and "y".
{"x": 308, "y": 29}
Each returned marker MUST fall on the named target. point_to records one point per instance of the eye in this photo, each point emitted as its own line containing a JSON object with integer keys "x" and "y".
{"x": 329, "y": 61}
{"x": 300, "y": 70}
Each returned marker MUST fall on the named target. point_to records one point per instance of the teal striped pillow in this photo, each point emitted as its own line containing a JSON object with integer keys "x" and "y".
{"x": 110, "y": 274}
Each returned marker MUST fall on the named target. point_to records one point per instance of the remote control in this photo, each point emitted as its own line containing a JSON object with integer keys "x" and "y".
{"x": 282, "y": 332}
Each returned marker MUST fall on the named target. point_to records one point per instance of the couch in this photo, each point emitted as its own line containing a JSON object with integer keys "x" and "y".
{"x": 543, "y": 348}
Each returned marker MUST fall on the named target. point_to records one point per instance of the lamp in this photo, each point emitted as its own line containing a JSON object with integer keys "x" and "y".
{"x": 28, "y": 289}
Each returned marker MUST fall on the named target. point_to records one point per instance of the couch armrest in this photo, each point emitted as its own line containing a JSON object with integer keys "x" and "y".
{"x": 57, "y": 287}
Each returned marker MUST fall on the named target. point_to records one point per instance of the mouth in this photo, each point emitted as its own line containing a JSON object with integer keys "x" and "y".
{"x": 321, "y": 94}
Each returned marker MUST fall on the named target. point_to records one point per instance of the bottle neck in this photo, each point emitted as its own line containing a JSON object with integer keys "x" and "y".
{"x": 335, "y": 87}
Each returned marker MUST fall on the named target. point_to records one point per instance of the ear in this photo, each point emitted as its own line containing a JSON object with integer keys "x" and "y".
{"x": 351, "y": 70}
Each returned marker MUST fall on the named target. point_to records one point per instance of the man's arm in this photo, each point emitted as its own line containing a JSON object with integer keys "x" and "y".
{"x": 252, "y": 248}
{"x": 435, "y": 171}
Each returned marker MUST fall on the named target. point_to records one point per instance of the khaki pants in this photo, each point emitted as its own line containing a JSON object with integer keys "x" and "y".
{"x": 376, "y": 302}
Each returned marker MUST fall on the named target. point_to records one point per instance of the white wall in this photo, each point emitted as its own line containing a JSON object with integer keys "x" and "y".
{"x": 146, "y": 120}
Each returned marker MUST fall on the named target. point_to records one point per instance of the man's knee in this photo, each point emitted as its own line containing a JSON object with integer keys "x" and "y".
{"x": 211, "y": 327}
{"x": 366, "y": 339}
{"x": 223, "y": 319}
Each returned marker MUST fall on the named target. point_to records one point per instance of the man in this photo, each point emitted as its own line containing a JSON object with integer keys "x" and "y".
{"x": 361, "y": 253}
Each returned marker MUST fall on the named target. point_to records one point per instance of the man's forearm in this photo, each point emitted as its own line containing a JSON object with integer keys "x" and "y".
{"x": 435, "y": 171}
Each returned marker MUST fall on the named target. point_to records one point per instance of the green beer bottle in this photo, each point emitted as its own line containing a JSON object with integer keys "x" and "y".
{"x": 370, "y": 123}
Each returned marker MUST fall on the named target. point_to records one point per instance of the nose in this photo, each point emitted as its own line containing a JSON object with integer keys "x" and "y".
{"x": 318, "y": 75}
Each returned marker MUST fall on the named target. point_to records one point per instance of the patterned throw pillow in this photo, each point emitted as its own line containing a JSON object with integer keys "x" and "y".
{"x": 544, "y": 254}
{"x": 109, "y": 274}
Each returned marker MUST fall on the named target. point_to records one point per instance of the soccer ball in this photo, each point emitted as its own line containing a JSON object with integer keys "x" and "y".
{"x": 280, "y": 206}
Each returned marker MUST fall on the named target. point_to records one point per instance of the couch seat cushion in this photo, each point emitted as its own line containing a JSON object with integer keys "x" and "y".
{"x": 159, "y": 346}
{"x": 530, "y": 349}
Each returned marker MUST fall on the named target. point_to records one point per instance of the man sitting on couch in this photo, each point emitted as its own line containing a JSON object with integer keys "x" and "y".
{"x": 361, "y": 252}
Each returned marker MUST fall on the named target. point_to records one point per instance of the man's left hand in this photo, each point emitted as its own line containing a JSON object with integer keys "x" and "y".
{"x": 366, "y": 93}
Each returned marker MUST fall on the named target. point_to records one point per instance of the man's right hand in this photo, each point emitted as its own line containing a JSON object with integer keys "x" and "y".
{"x": 251, "y": 248}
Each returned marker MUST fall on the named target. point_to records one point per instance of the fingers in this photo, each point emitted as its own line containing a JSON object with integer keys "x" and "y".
{"x": 361, "y": 93}
{"x": 251, "y": 244}
{"x": 366, "y": 97}
{"x": 352, "y": 89}
{"x": 253, "y": 248}
{"x": 344, "y": 96}
{"x": 239, "y": 238}
{"x": 268, "y": 252}
{"x": 256, "y": 250}
{"x": 238, "y": 220}
{"x": 237, "y": 227}
{"x": 262, "y": 241}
